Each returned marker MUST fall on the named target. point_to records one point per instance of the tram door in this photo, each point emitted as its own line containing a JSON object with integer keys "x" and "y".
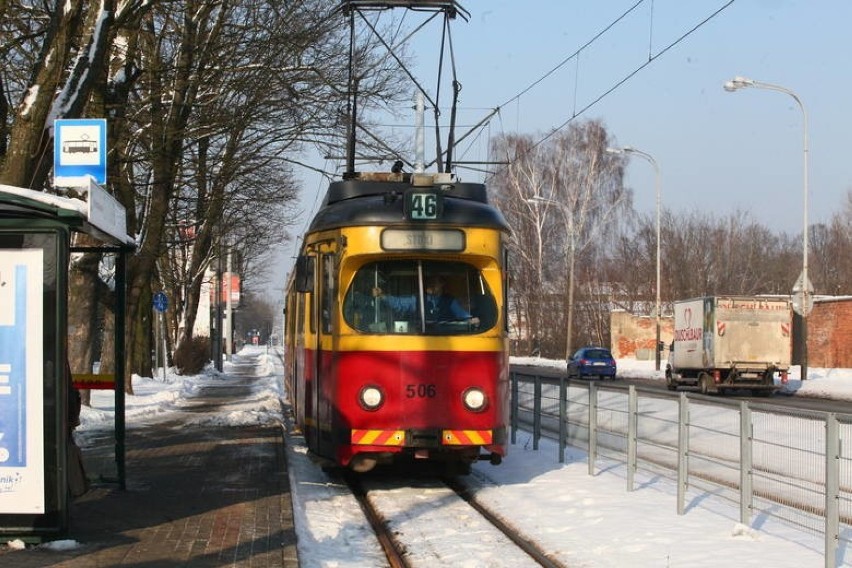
{"x": 306, "y": 356}
{"x": 326, "y": 380}
{"x": 318, "y": 362}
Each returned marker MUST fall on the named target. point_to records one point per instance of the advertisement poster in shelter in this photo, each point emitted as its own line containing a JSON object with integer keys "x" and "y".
{"x": 21, "y": 382}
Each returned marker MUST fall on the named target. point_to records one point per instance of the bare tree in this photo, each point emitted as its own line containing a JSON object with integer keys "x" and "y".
{"x": 515, "y": 186}
{"x": 561, "y": 196}
{"x": 831, "y": 252}
{"x": 208, "y": 103}
{"x": 278, "y": 89}
{"x": 72, "y": 40}
{"x": 255, "y": 314}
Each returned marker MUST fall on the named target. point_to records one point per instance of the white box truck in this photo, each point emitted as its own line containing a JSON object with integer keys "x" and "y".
{"x": 723, "y": 343}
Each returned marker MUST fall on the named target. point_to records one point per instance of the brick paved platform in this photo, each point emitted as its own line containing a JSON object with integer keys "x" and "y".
{"x": 196, "y": 496}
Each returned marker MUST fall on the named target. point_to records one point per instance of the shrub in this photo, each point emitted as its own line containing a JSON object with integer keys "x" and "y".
{"x": 191, "y": 357}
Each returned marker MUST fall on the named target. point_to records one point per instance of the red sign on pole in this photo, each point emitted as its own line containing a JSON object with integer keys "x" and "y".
{"x": 234, "y": 289}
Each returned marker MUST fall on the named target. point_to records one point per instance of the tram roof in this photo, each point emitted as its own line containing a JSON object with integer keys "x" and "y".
{"x": 377, "y": 199}
{"x": 380, "y": 183}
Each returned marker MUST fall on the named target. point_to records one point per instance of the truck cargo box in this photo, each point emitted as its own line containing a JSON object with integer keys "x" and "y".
{"x": 735, "y": 341}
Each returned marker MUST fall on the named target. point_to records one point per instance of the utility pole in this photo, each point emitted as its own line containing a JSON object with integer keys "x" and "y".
{"x": 229, "y": 312}
{"x": 217, "y": 340}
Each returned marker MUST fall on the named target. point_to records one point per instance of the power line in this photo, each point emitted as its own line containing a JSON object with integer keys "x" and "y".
{"x": 575, "y": 54}
{"x": 651, "y": 59}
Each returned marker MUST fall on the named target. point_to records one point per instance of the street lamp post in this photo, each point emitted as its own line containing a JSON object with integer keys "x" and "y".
{"x": 653, "y": 162}
{"x": 741, "y": 83}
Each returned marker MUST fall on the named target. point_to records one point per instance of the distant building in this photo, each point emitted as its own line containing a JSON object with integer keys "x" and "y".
{"x": 202, "y": 318}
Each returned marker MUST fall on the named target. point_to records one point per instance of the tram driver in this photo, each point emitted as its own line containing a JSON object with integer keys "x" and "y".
{"x": 439, "y": 304}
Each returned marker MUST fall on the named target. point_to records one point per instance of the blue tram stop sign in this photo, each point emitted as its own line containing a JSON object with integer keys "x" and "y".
{"x": 160, "y": 301}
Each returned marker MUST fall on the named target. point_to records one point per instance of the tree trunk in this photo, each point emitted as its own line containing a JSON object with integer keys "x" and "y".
{"x": 84, "y": 288}
{"x": 108, "y": 347}
{"x": 570, "y": 326}
{"x": 28, "y": 136}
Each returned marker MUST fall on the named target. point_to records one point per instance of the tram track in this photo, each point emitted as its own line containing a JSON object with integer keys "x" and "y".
{"x": 413, "y": 521}
{"x": 525, "y": 544}
{"x": 393, "y": 550}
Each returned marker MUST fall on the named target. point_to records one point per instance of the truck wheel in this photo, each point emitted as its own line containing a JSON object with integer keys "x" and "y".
{"x": 768, "y": 383}
{"x": 671, "y": 384}
{"x": 705, "y": 384}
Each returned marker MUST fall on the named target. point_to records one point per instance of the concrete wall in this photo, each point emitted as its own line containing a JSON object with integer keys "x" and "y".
{"x": 634, "y": 336}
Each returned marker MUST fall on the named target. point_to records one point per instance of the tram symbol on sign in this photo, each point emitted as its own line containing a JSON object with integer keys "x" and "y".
{"x": 82, "y": 144}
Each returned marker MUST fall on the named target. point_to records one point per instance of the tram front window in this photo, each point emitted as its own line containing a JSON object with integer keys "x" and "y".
{"x": 419, "y": 297}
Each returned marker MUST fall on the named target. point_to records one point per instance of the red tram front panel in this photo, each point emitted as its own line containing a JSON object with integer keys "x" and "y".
{"x": 422, "y": 404}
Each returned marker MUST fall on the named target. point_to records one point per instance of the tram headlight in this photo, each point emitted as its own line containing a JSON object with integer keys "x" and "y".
{"x": 474, "y": 399}
{"x": 371, "y": 397}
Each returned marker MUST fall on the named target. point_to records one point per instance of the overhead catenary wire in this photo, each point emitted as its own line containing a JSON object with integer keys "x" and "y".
{"x": 575, "y": 56}
{"x": 577, "y": 52}
{"x": 651, "y": 59}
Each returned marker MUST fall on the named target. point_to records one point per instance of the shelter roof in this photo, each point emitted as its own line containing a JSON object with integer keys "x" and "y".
{"x": 101, "y": 216}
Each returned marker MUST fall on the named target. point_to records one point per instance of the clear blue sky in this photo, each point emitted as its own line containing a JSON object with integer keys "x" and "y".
{"x": 718, "y": 151}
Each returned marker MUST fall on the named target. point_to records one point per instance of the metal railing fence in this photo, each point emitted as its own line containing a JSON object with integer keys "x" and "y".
{"x": 769, "y": 461}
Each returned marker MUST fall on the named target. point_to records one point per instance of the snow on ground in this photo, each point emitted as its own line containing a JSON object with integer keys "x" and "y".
{"x": 584, "y": 521}
{"x": 590, "y": 521}
{"x": 821, "y": 383}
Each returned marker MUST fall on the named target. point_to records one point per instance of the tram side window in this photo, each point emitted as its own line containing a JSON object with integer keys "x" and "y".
{"x": 326, "y": 292}
{"x": 419, "y": 297}
{"x": 482, "y": 302}
{"x": 300, "y": 322}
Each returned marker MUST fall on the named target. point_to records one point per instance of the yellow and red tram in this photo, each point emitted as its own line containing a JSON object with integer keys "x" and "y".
{"x": 380, "y": 368}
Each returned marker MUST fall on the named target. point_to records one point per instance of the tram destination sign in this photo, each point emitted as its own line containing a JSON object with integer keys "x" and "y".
{"x": 423, "y": 239}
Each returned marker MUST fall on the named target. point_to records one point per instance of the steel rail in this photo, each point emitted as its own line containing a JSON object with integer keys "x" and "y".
{"x": 533, "y": 550}
{"x": 394, "y": 552}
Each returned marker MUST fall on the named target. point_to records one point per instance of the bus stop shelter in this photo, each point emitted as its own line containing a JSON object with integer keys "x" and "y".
{"x": 36, "y": 243}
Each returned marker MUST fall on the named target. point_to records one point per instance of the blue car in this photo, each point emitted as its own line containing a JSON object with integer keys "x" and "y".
{"x": 592, "y": 362}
